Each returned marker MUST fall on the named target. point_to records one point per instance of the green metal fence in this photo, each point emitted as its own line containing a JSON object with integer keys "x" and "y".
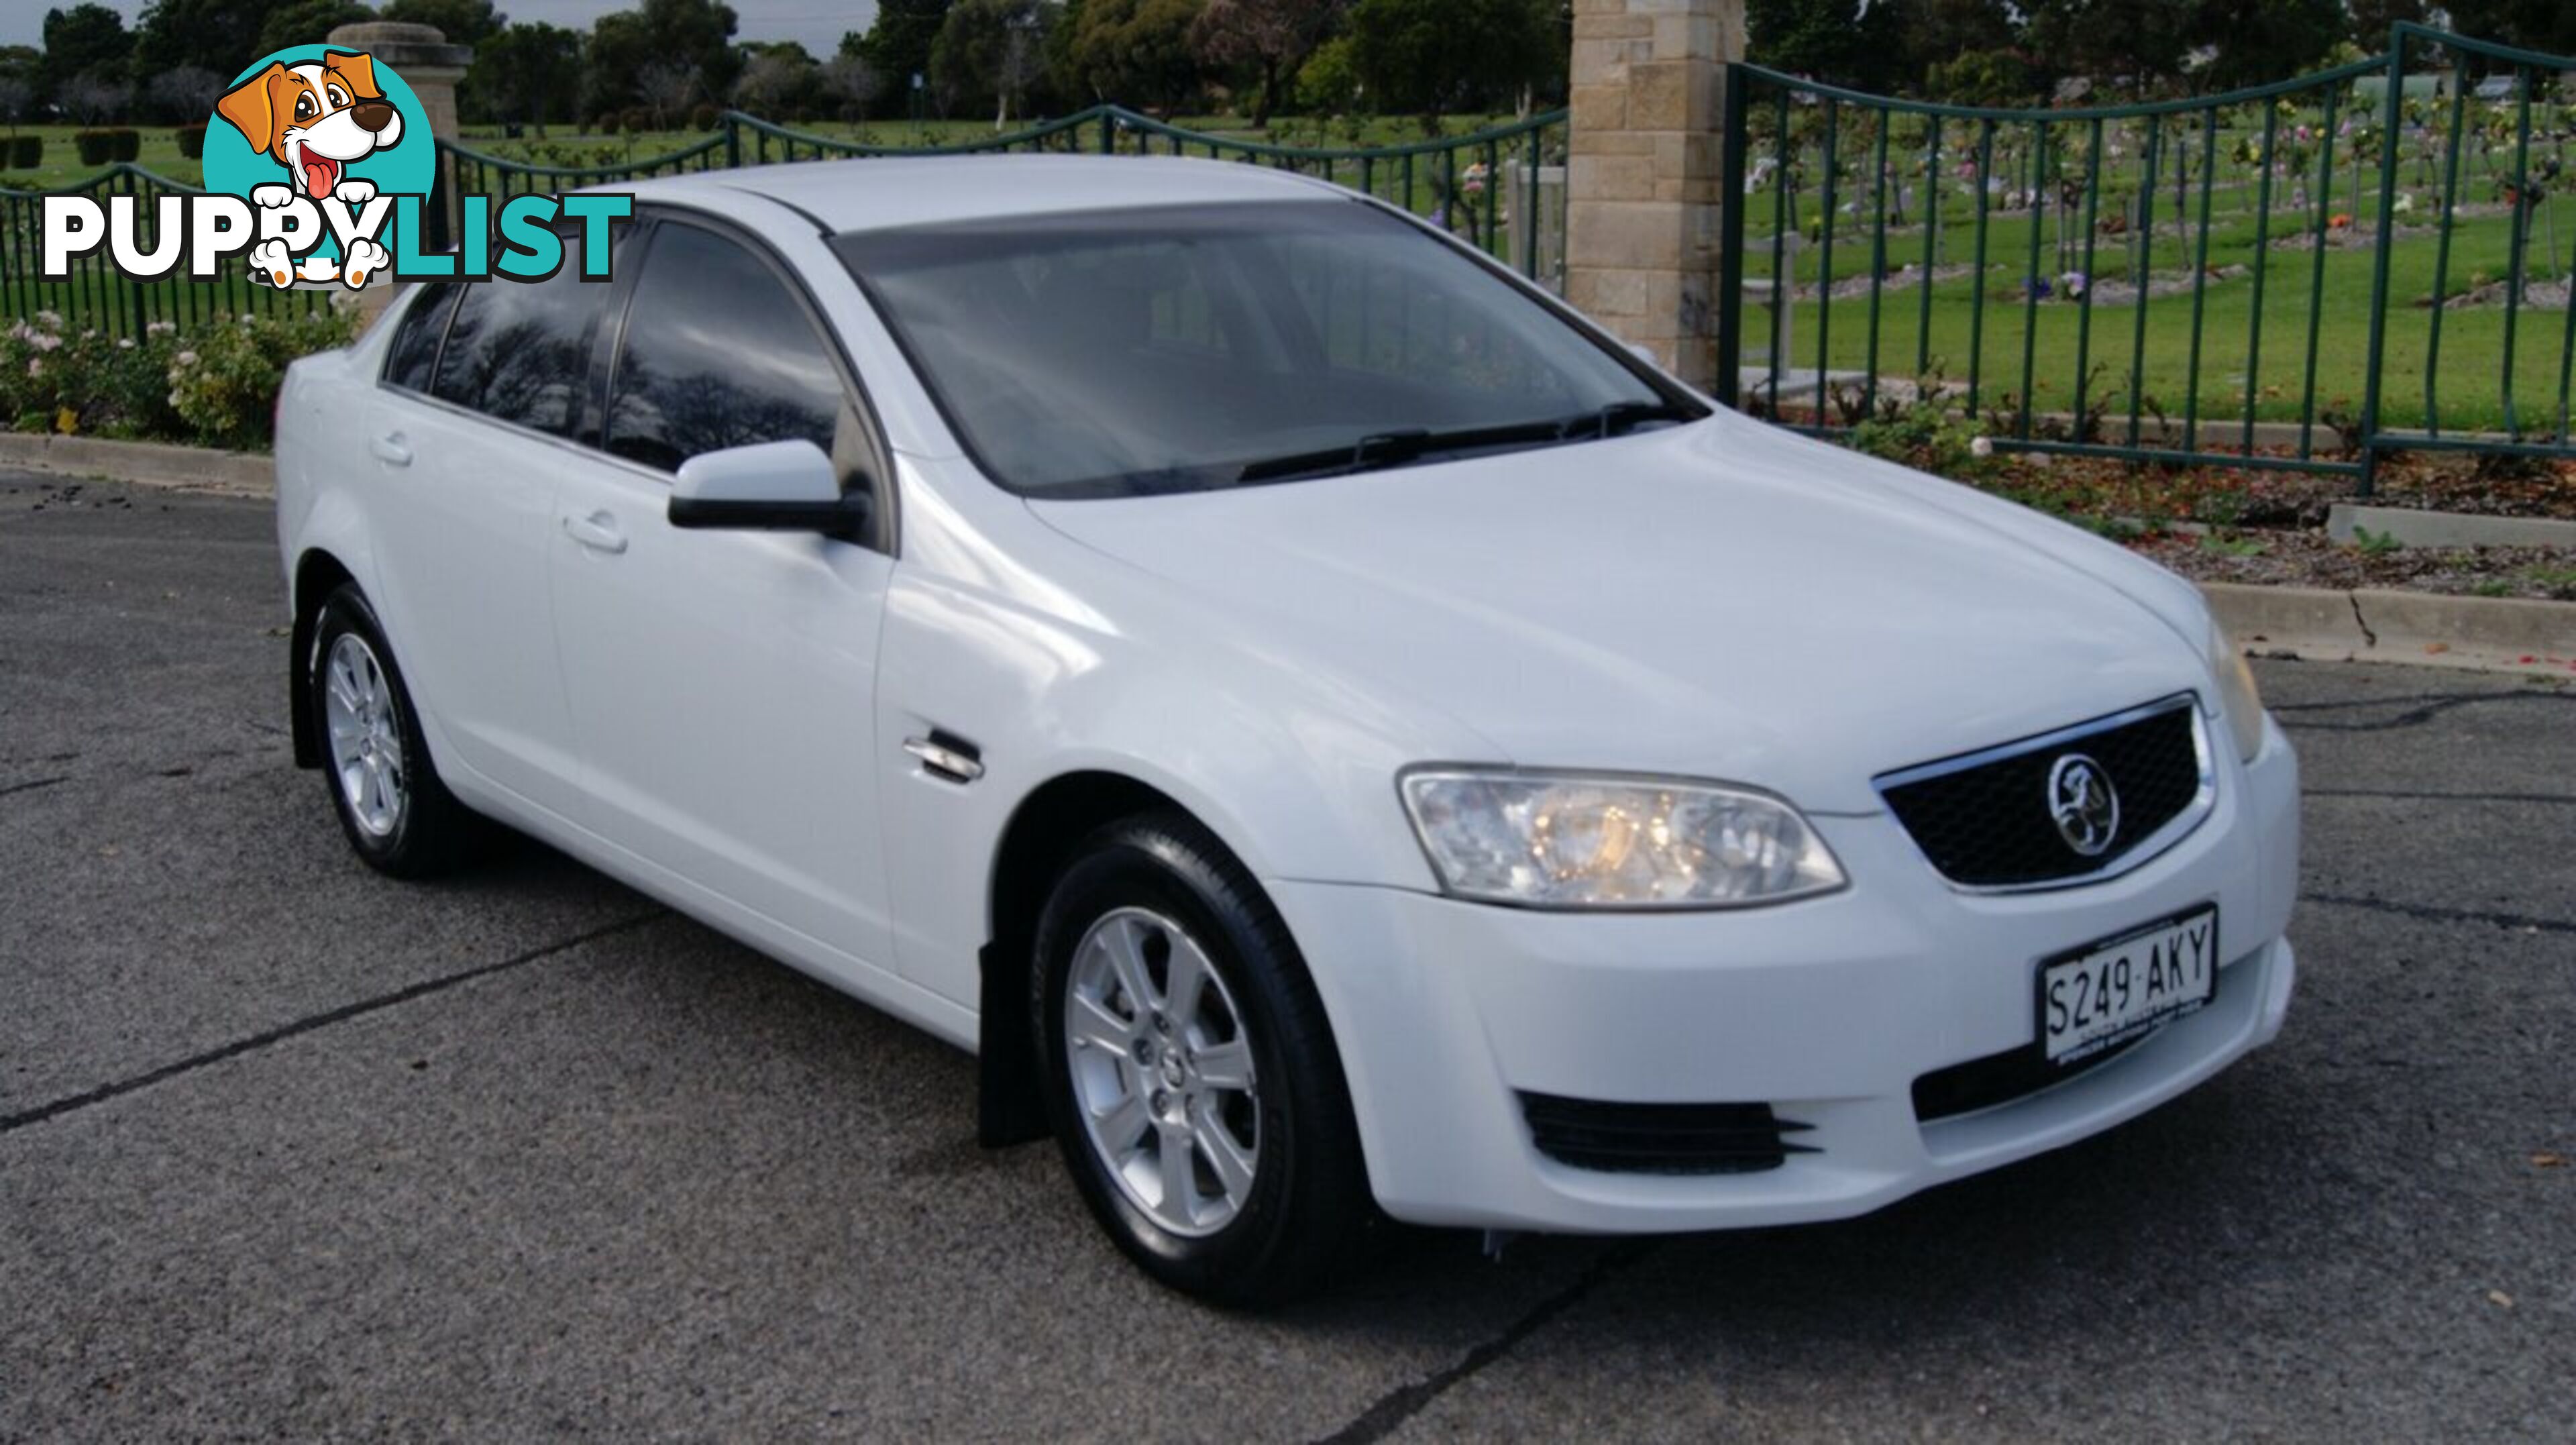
{"x": 97, "y": 297}
{"x": 2303, "y": 275}
{"x": 1501, "y": 188}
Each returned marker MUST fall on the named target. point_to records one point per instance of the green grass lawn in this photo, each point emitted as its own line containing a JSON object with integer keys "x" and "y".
{"x": 62, "y": 163}
{"x": 1978, "y": 322}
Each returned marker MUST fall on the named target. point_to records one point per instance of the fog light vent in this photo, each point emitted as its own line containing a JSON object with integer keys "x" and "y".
{"x": 1660, "y": 1138}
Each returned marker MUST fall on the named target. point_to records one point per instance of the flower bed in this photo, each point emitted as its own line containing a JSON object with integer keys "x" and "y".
{"x": 2239, "y": 524}
{"x": 217, "y": 386}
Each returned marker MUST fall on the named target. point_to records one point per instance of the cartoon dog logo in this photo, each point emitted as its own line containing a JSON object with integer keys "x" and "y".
{"x": 315, "y": 119}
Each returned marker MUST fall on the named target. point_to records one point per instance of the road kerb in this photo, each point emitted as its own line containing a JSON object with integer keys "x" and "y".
{"x": 153, "y": 464}
{"x": 2426, "y": 629}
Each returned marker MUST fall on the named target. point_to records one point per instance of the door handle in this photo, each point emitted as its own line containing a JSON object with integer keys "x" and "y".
{"x": 390, "y": 449}
{"x": 598, "y": 532}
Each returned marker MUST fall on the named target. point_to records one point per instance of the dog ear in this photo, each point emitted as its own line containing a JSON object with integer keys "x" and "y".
{"x": 356, "y": 67}
{"x": 249, "y": 107}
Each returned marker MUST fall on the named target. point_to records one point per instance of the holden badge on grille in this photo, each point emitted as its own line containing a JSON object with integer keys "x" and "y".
{"x": 2081, "y": 800}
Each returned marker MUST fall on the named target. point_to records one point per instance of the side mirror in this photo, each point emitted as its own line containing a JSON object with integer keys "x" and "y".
{"x": 772, "y": 487}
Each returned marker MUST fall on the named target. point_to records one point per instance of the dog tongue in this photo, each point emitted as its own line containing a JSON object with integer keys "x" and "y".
{"x": 321, "y": 173}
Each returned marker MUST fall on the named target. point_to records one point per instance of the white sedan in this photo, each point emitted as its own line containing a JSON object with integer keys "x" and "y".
{"x": 1333, "y": 730}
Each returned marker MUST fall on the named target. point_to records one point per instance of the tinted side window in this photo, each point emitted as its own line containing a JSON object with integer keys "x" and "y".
{"x": 415, "y": 347}
{"x": 517, "y": 350}
{"x": 718, "y": 353}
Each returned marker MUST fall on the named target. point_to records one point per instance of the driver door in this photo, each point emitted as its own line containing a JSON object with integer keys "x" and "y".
{"x": 721, "y": 683}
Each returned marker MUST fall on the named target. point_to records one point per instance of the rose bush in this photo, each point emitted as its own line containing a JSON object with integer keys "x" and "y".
{"x": 215, "y": 386}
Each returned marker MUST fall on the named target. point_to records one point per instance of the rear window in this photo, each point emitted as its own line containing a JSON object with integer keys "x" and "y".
{"x": 413, "y": 357}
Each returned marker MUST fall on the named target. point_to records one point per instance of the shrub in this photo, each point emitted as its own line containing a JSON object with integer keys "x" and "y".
{"x": 635, "y": 121}
{"x": 86, "y": 383}
{"x": 223, "y": 382}
{"x": 704, "y": 117}
{"x": 606, "y": 124}
{"x": 97, "y": 147}
{"x": 192, "y": 142}
{"x": 216, "y": 386}
{"x": 27, "y": 152}
{"x": 128, "y": 144}
{"x": 1924, "y": 434}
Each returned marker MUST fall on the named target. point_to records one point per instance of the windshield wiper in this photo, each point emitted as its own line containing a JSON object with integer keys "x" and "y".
{"x": 1395, "y": 448}
{"x": 1621, "y": 417}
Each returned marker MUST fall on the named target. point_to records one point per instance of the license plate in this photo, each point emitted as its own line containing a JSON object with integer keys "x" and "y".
{"x": 2108, "y": 993}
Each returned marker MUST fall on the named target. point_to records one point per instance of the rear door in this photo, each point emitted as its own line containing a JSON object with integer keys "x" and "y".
{"x": 721, "y": 682}
{"x": 483, "y": 396}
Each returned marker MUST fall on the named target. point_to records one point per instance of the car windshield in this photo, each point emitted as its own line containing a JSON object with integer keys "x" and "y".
{"x": 1122, "y": 353}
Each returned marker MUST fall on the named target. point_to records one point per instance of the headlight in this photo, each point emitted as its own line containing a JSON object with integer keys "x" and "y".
{"x": 2236, "y": 694}
{"x": 1557, "y": 840}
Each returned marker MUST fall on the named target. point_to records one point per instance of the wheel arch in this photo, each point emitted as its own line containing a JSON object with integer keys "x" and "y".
{"x": 317, "y": 575}
{"x": 1035, "y": 844}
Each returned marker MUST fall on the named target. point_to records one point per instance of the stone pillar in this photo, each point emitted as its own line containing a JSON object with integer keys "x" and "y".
{"x": 1643, "y": 202}
{"x": 421, "y": 55}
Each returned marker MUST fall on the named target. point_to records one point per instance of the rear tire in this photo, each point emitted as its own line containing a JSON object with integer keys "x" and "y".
{"x": 386, "y": 792}
{"x": 1190, "y": 1073}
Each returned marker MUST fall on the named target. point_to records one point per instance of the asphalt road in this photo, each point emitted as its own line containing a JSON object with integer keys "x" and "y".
{"x": 286, "y": 1148}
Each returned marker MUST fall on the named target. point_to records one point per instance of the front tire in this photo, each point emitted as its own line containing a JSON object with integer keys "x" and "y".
{"x": 1190, "y": 1073}
{"x": 397, "y": 814}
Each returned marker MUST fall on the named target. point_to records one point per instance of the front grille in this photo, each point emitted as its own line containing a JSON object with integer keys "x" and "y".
{"x": 1660, "y": 1138}
{"x": 1984, "y": 820}
{"x": 2000, "y": 1079}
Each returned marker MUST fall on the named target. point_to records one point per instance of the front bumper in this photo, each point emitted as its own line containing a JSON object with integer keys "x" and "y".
{"x": 1828, "y": 1009}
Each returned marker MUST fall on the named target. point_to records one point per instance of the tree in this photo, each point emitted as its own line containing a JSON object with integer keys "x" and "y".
{"x": 1437, "y": 56}
{"x": 2258, "y": 41}
{"x": 527, "y": 73}
{"x": 2135, "y": 45}
{"x": 2373, "y": 19}
{"x": 897, "y": 46}
{"x": 991, "y": 50}
{"x": 1835, "y": 41}
{"x": 463, "y": 22}
{"x": 691, "y": 35}
{"x": 17, "y": 99}
{"x": 88, "y": 39}
{"x": 94, "y": 99}
{"x": 2546, "y": 25}
{"x": 187, "y": 94}
{"x": 1946, "y": 32}
{"x": 1137, "y": 52}
{"x": 849, "y": 79}
{"x": 776, "y": 79}
{"x": 307, "y": 22}
{"x": 1983, "y": 77}
{"x": 223, "y": 33}
{"x": 1270, "y": 37}
{"x": 666, "y": 88}
{"x": 1329, "y": 82}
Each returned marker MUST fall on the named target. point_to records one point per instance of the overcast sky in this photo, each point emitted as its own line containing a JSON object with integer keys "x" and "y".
{"x": 818, "y": 24}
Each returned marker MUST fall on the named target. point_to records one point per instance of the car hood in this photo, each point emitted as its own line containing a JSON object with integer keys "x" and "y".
{"x": 1718, "y": 600}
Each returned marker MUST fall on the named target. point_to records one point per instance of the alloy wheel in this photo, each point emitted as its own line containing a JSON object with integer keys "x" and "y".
{"x": 365, "y": 727}
{"x": 1162, "y": 1071}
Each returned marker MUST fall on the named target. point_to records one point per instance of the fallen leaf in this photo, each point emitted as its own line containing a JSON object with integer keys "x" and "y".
{"x": 2434, "y": 647}
{"x": 2546, "y": 1160}
{"x": 2500, "y": 1299}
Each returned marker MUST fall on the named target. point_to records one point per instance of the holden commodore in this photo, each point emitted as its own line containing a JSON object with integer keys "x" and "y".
{"x": 1335, "y": 733}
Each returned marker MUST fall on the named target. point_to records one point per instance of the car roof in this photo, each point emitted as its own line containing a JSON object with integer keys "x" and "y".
{"x": 874, "y": 193}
